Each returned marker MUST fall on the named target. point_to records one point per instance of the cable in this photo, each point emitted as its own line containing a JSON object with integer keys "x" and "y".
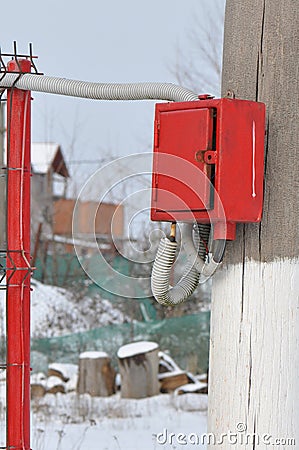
{"x": 163, "y": 293}
{"x": 198, "y": 270}
{"x": 218, "y": 249}
{"x": 199, "y": 260}
{"x": 98, "y": 91}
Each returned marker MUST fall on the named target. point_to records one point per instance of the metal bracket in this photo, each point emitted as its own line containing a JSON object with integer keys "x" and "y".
{"x": 230, "y": 94}
{"x": 206, "y": 156}
{"x": 17, "y": 56}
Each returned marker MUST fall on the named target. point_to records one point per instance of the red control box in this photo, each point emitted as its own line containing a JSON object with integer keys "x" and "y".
{"x": 208, "y": 163}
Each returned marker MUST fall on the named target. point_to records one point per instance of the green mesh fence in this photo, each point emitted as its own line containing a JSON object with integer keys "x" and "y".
{"x": 185, "y": 338}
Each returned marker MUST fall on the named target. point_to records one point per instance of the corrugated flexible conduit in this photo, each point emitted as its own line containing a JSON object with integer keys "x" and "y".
{"x": 163, "y": 293}
{"x": 197, "y": 270}
{"x": 98, "y": 91}
{"x": 129, "y": 91}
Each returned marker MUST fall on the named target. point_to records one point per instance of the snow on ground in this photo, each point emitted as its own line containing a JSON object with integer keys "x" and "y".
{"x": 55, "y": 311}
{"x": 82, "y": 422}
{"x": 73, "y": 422}
{"x": 52, "y": 311}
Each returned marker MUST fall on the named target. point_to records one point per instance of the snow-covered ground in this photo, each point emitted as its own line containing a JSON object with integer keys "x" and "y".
{"x": 55, "y": 312}
{"x": 72, "y": 422}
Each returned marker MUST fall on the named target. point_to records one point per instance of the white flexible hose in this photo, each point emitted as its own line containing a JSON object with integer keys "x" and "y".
{"x": 197, "y": 271}
{"x": 163, "y": 293}
{"x": 188, "y": 244}
{"x": 206, "y": 268}
{"x": 133, "y": 91}
{"x": 98, "y": 91}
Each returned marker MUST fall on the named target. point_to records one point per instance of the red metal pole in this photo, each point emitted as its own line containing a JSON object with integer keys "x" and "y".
{"x": 18, "y": 263}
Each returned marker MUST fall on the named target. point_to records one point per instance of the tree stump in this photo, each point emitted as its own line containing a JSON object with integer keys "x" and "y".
{"x": 138, "y": 364}
{"x": 96, "y": 376}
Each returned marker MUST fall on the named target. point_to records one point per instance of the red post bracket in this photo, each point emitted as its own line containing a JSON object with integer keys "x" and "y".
{"x": 18, "y": 263}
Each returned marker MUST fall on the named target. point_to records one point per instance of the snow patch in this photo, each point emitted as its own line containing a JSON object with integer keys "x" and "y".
{"x": 57, "y": 312}
{"x": 167, "y": 362}
{"x": 66, "y": 370}
{"x": 190, "y": 387}
{"x": 93, "y": 355}
{"x": 53, "y": 382}
{"x": 136, "y": 348}
{"x": 69, "y": 421}
{"x": 173, "y": 373}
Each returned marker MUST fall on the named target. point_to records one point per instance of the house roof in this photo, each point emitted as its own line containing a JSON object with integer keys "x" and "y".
{"x": 46, "y": 156}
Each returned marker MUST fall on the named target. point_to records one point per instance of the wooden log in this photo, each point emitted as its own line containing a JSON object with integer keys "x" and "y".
{"x": 96, "y": 376}
{"x": 38, "y": 385}
{"x": 172, "y": 380}
{"x": 192, "y": 388}
{"x": 38, "y": 390}
{"x": 138, "y": 364}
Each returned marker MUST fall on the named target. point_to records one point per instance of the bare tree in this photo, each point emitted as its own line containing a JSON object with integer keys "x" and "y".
{"x": 199, "y": 68}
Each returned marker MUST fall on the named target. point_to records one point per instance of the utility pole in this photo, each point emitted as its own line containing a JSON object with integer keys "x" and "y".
{"x": 254, "y": 357}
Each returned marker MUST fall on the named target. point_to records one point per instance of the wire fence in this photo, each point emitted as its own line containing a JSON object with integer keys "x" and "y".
{"x": 185, "y": 338}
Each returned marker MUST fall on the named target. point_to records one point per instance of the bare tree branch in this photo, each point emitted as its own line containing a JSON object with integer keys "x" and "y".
{"x": 200, "y": 68}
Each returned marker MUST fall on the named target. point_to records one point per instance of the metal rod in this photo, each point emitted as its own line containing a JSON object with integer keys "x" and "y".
{"x": 18, "y": 286}
{"x": 2, "y": 181}
{"x": 19, "y": 55}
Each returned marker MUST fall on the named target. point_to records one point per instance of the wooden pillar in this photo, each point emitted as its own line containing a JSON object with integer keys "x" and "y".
{"x": 254, "y": 358}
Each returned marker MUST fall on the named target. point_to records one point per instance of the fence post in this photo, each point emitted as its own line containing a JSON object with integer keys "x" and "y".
{"x": 18, "y": 263}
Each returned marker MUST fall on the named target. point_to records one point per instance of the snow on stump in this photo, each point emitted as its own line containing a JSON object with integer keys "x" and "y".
{"x": 96, "y": 376}
{"x": 55, "y": 385}
{"x": 138, "y": 365}
{"x": 63, "y": 371}
{"x": 68, "y": 373}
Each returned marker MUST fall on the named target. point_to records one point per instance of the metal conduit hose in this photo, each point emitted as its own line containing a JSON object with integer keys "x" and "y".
{"x": 198, "y": 271}
{"x": 205, "y": 260}
{"x": 163, "y": 293}
{"x": 132, "y": 91}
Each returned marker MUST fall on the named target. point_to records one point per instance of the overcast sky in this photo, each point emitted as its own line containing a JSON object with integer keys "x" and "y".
{"x": 104, "y": 41}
